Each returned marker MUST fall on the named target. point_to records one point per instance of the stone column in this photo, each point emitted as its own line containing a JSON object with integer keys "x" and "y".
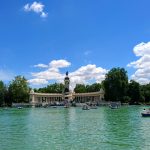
{"x": 100, "y": 97}
{"x": 33, "y": 98}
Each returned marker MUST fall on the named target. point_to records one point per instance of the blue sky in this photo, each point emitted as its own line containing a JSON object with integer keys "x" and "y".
{"x": 100, "y": 33}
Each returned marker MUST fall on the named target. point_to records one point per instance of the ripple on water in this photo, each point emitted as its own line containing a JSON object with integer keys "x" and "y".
{"x": 74, "y": 129}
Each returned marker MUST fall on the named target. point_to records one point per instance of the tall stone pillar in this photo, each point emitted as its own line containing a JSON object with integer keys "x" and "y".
{"x": 32, "y": 97}
{"x": 67, "y": 82}
{"x": 66, "y": 88}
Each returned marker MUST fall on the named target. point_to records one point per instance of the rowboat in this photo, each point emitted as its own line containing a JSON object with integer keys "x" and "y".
{"x": 146, "y": 113}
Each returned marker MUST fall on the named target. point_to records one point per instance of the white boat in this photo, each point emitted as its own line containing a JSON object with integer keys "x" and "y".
{"x": 85, "y": 107}
{"x": 146, "y": 113}
{"x": 93, "y": 107}
{"x": 66, "y": 106}
{"x": 54, "y": 106}
{"x": 114, "y": 105}
{"x": 19, "y": 107}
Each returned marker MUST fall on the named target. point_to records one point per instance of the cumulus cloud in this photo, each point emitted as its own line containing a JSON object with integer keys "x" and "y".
{"x": 41, "y": 66}
{"x": 59, "y": 63}
{"x": 49, "y": 74}
{"x": 37, "y": 81}
{"x": 87, "y": 73}
{"x": 36, "y": 7}
{"x": 82, "y": 75}
{"x": 142, "y": 74}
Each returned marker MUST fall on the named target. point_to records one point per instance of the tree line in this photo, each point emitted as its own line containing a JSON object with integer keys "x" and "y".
{"x": 51, "y": 88}
{"x": 116, "y": 85}
{"x": 118, "y": 88}
{"x": 16, "y": 92}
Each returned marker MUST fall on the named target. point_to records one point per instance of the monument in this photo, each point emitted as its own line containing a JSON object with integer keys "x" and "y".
{"x": 67, "y": 96}
{"x": 66, "y": 93}
{"x": 66, "y": 82}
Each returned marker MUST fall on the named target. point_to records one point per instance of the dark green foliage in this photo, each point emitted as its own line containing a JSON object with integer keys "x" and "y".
{"x": 115, "y": 84}
{"x": 93, "y": 88}
{"x": 80, "y": 88}
{"x": 59, "y": 88}
{"x": 134, "y": 91}
{"x": 52, "y": 88}
{"x": 145, "y": 92}
{"x": 19, "y": 90}
{"x": 126, "y": 99}
{"x": 2, "y": 93}
{"x": 8, "y": 99}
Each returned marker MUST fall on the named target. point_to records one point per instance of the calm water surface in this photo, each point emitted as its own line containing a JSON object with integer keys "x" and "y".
{"x": 74, "y": 129}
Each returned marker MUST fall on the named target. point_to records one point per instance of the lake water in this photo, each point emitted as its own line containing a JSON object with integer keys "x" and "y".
{"x": 74, "y": 129}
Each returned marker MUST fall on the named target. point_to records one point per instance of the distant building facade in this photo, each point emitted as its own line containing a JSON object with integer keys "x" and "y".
{"x": 66, "y": 95}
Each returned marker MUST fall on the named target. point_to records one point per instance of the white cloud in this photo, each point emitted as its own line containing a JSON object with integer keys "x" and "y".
{"x": 38, "y": 81}
{"x": 36, "y": 7}
{"x": 49, "y": 74}
{"x": 142, "y": 74}
{"x": 59, "y": 63}
{"x": 83, "y": 75}
{"x": 142, "y": 49}
{"x": 44, "y": 15}
{"x": 41, "y": 66}
{"x": 86, "y": 73}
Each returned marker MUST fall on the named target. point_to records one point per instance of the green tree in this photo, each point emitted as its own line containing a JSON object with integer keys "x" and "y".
{"x": 145, "y": 92}
{"x": 19, "y": 90}
{"x": 93, "y": 88}
{"x": 52, "y": 88}
{"x": 8, "y": 100}
{"x": 80, "y": 88}
{"x": 2, "y": 93}
{"x": 134, "y": 91}
{"x": 115, "y": 84}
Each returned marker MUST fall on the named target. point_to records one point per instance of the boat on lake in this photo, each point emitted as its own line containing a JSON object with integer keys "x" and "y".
{"x": 19, "y": 107}
{"x": 146, "y": 113}
{"x": 85, "y": 107}
{"x": 93, "y": 107}
{"x": 66, "y": 106}
{"x": 54, "y": 106}
{"x": 114, "y": 105}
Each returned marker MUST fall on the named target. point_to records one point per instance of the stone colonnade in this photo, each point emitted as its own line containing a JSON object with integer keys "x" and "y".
{"x": 40, "y": 98}
{"x": 88, "y": 97}
{"x": 52, "y": 98}
{"x": 83, "y": 99}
